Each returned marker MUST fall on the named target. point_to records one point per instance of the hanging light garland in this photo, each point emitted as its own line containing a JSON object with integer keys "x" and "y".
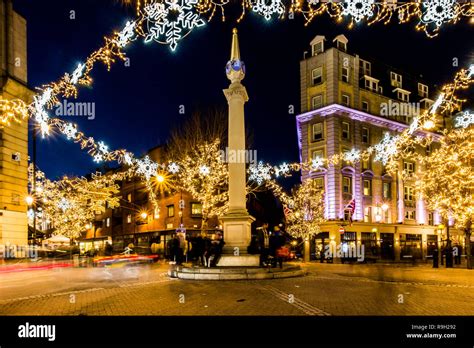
{"x": 153, "y": 24}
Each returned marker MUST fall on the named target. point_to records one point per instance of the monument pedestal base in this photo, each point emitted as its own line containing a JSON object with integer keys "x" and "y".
{"x": 237, "y": 237}
{"x": 240, "y": 261}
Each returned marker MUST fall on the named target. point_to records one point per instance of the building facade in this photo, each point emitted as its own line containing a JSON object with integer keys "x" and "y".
{"x": 138, "y": 222}
{"x": 13, "y": 138}
{"x": 350, "y": 103}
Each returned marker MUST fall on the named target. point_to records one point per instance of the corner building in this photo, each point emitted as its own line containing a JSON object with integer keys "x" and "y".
{"x": 348, "y": 102}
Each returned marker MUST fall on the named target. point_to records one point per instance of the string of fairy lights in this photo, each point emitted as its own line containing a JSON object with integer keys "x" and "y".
{"x": 154, "y": 24}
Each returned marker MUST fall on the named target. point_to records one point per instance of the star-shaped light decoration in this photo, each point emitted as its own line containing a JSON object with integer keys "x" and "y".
{"x": 70, "y": 131}
{"x": 352, "y": 156}
{"x": 204, "y": 170}
{"x": 173, "y": 168}
{"x": 317, "y": 163}
{"x": 146, "y": 167}
{"x": 127, "y": 33}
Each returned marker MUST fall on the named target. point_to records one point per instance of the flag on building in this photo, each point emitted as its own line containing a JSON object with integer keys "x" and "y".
{"x": 351, "y": 207}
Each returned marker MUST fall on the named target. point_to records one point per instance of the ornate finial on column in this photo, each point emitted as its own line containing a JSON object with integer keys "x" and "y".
{"x": 235, "y": 68}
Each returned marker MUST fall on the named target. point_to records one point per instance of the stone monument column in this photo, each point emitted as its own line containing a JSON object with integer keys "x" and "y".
{"x": 237, "y": 222}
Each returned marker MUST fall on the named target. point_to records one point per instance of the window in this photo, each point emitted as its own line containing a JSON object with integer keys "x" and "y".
{"x": 396, "y": 79}
{"x": 371, "y": 84}
{"x": 367, "y": 187}
{"x": 387, "y": 190}
{"x": 129, "y": 218}
{"x": 365, "y": 106}
{"x": 318, "y": 131}
{"x": 319, "y": 182}
{"x": 317, "y": 153}
{"x": 347, "y": 184}
{"x": 365, "y": 164}
{"x": 364, "y": 67}
{"x": 403, "y": 96}
{"x": 423, "y": 90}
{"x": 430, "y": 219}
{"x": 408, "y": 193}
{"x": 387, "y": 216}
{"x": 409, "y": 167}
{"x": 428, "y": 150}
{"x": 341, "y": 46}
{"x": 317, "y": 102}
{"x": 196, "y": 209}
{"x": 317, "y": 76}
{"x": 345, "y": 74}
{"x": 156, "y": 213}
{"x": 346, "y": 131}
{"x": 346, "y": 100}
{"x": 365, "y": 135}
{"x": 410, "y": 215}
{"x": 367, "y": 214}
{"x": 317, "y": 48}
{"x": 170, "y": 210}
{"x": 426, "y": 104}
{"x": 107, "y": 222}
{"x": 129, "y": 197}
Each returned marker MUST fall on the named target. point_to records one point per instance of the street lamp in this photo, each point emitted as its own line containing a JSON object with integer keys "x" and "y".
{"x": 29, "y": 200}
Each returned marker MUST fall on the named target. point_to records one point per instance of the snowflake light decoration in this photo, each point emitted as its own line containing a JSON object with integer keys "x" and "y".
{"x": 204, "y": 170}
{"x": 173, "y": 168}
{"x": 259, "y": 173}
{"x": 413, "y": 126}
{"x": 102, "y": 147}
{"x": 386, "y": 148}
{"x": 77, "y": 74}
{"x": 70, "y": 131}
{"x": 147, "y": 167}
{"x": 439, "y": 12}
{"x": 352, "y": 156}
{"x": 357, "y": 9}
{"x": 127, "y": 33}
{"x": 437, "y": 103}
{"x": 464, "y": 120}
{"x": 39, "y": 110}
{"x": 128, "y": 158}
{"x": 64, "y": 204}
{"x": 283, "y": 169}
{"x": 266, "y": 9}
{"x": 169, "y": 20}
{"x": 470, "y": 71}
{"x": 317, "y": 163}
{"x": 98, "y": 158}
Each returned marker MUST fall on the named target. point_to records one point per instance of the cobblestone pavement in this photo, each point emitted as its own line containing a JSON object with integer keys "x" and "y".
{"x": 326, "y": 290}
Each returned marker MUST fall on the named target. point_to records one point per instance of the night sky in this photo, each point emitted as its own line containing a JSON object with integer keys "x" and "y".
{"x": 137, "y": 106}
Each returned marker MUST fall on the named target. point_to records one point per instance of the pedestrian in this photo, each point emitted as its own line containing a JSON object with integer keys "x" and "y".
{"x": 207, "y": 251}
{"x": 435, "y": 258}
{"x": 263, "y": 243}
{"x": 217, "y": 246}
{"x": 277, "y": 241}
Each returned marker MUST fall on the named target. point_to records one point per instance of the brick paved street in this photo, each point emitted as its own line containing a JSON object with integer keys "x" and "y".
{"x": 326, "y": 290}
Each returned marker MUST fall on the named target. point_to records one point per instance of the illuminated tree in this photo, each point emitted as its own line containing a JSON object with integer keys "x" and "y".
{"x": 304, "y": 208}
{"x": 447, "y": 183}
{"x": 70, "y": 204}
{"x": 204, "y": 174}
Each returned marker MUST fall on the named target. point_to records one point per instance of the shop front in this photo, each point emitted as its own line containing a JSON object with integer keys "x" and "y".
{"x": 410, "y": 246}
